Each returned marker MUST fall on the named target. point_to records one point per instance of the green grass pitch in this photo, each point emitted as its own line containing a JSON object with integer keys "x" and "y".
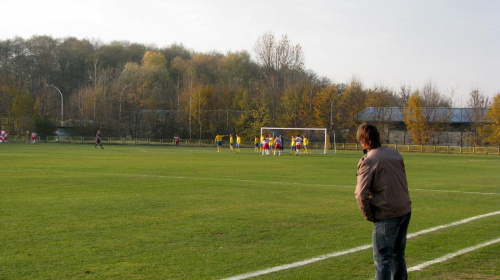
{"x": 149, "y": 212}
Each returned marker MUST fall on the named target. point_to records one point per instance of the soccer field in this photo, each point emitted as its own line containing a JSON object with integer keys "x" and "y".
{"x": 150, "y": 212}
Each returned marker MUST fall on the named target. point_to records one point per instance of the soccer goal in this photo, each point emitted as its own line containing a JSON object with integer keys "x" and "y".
{"x": 318, "y": 137}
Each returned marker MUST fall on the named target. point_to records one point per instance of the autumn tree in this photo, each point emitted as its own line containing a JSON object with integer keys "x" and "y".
{"x": 492, "y": 129}
{"x": 404, "y": 95}
{"x": 415, "y": 120}
{"x": 154, "y": 79}
{"x": 351, "y": 102}
{"x": 41, "y": 55}
{"x": 290, "y": 115}
{"x": 278, "y": 61}
{"x": 146, "y": 93}
{"x": 325, "y": 107}
{"x": 199, "y": 72}
{"x": 237, "y": 74}
{"x": 261, "y": 111}
{"x": 72, "y": 63}
{"x": 16, "y": 106}
{"x": 385, "y": 111}
{"x": 478, "y": 105}
{"x": 245, "y": 117}
{"x": 437, "y": 111}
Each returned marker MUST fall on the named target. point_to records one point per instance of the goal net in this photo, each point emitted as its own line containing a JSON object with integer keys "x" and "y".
{"x": 318, "y": 137}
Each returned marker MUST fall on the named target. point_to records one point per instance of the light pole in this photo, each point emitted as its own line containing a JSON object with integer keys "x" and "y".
{"x": 62, "y": 104}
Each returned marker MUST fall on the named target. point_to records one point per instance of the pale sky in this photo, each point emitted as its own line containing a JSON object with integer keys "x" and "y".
{"x": 455, "y": 44}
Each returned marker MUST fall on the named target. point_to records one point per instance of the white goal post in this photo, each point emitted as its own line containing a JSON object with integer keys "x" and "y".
{"x": 303, "y": 130}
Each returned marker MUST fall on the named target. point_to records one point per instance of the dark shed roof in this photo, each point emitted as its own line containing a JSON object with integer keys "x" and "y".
{"x": 395, "y": 114}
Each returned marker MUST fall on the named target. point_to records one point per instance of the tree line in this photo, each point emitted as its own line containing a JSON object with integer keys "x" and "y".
{"x": 130, "y": 89}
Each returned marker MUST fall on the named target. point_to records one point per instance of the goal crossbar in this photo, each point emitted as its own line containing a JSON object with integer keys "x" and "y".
{"x": 297, "y": 128}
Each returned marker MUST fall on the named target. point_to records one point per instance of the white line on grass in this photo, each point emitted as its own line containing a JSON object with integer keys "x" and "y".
{"x": 246, "y": 180}
{"x": 345, "y": 252}
{"x": 464, "y": 221}
{"x": 452, "y": 255}
{"x": 283, "y": 182}
{"x": 448, "y": 191}
{"x": 287, "y": 183}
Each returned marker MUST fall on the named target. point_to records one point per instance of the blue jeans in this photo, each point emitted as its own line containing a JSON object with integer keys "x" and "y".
{"x": 389, "y": 243}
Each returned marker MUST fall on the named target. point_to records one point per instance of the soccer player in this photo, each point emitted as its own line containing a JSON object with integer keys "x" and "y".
{"x": 293, "y": 146}
{"x": 256, "y": 143}
{"x": 177, "y": 140}
{"x": 231, "y": 142}
{"x": 3, "y": 136}
{"x": 98, "y": 140}
{"x": 238, "y": 143}
{"x": 265, "y": 146}
{"x": 262, "y": 138}
{"x": 218, "y": 141}
{"x": 298, "y": 142}
{"x": 277, "y": 145}
{"x": 305, "y": 141}
{"x": 33, "y": 137}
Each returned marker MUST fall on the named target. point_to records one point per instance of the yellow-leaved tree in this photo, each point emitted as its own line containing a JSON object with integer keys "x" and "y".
{"x": 414, "y": 119}
{"x": 492, "y": 129}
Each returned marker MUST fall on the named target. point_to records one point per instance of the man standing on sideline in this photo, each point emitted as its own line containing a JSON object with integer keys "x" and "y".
{"x": 98, "y": 140}
{"x": 383, "y": 198}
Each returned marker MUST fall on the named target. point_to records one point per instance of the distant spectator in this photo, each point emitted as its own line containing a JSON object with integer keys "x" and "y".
{"x": 98, "y": 140}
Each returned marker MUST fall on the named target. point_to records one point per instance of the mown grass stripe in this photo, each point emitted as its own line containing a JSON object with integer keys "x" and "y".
{"x": 365, "y": 247}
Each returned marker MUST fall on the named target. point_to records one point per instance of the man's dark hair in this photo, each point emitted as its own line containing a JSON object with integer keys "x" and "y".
{"x": 369, "y": 134}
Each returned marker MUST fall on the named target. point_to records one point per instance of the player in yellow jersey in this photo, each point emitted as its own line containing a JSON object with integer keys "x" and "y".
{"x": 218, "y": 141}
{"x": 262, "y": 138}
{"x": 238, "y": 143}
{"x": 231, "y": 142}
{"x": 256, "y": 144}
{"x": 305, "y": 142}
{"x": 293, "y": 145}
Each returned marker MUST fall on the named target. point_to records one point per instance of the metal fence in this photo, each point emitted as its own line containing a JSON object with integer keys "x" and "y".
{"x": 247, "y": 144}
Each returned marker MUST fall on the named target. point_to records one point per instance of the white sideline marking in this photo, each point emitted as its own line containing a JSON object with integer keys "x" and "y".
{"x": 452, "y": 255}
{"x": 345, "y": 252}
{"x": 447, "y": 191}
{"x": 411, "y": 235}
{"x": 298, "y": 264}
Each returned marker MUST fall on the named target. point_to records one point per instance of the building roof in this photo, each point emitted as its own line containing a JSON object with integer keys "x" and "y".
{"x": 440, "y": 114}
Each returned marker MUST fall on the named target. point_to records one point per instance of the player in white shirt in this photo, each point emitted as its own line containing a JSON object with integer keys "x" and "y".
{"x": 277, "y": 145}
{"x": 298, "y": 142}
{"x": 265, "y": 146}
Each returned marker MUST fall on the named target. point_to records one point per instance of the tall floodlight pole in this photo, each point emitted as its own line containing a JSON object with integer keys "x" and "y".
{"x": 62, "y": 104}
